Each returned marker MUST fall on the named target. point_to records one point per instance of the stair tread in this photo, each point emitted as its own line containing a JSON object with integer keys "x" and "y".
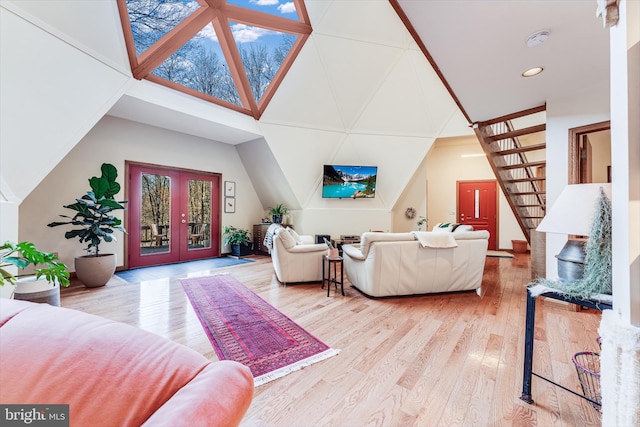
{"x": 518, "y": 132}
{"x": 523, "y": 149}
{"x": 522, "y": 165}
{"x": 525, "y": 179}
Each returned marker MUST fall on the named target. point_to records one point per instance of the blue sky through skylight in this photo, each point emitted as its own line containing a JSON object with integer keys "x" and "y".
{"x": 285, "y": 9}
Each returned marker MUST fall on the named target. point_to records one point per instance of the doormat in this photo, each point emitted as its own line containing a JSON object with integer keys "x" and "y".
{"x": 500, "y": 254}
{"x": 169, "y": 270}
{"x": 243, "y": 327}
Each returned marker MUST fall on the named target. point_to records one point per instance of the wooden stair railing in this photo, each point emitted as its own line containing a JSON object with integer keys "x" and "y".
{"x": 522, "y": 181}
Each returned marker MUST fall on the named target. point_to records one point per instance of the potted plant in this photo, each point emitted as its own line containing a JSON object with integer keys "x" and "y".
{"x": 278, "y": 212}
{"x": 96, "y": 223}
{"x": 421, "y": 221}
{"x": 239, "y": 239}
{"x": 50, "y": 274}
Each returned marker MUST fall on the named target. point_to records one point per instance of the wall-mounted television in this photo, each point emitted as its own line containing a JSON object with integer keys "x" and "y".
{"x": 349, "y": 181}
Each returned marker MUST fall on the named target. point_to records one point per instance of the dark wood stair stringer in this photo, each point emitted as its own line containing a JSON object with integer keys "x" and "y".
{"x": 522, "y": 187}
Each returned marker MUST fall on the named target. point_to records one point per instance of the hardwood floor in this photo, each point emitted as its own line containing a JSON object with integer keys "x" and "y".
{"x": 437, "y": 360}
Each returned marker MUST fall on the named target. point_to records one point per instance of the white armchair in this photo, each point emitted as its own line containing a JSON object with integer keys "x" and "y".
{"x": 296, "y": 258}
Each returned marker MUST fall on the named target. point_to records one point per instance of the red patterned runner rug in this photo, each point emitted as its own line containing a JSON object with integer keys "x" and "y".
{"x": 245, "y": 328}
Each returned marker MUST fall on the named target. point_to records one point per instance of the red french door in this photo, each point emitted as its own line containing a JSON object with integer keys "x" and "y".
{"x": 173, "y": 215}
{"x": 477, "y": 206}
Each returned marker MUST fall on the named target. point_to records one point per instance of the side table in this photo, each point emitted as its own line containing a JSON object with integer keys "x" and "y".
{"x": 328, "y": 278}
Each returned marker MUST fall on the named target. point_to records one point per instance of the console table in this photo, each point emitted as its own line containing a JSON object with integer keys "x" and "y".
{"x": 529, "y": 338}
{"x": 259, "y": 231}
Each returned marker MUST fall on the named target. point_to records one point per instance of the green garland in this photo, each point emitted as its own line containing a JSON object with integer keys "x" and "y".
{"x": 597, "y": 278}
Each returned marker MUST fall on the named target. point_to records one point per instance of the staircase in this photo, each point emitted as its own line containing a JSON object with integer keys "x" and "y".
{"x": 515, "y": 147}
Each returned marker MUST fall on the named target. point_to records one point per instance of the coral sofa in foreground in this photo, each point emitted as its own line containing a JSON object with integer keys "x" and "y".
{"x": 392, "y": 264}
{"x": 112, "y": 374}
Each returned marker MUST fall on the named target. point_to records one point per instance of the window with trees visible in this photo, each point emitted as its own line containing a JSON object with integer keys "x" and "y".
{"x": 231, "y": 52}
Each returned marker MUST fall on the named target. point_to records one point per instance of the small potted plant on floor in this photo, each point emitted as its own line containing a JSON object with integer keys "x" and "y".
{"x": 239, "y": 239}
{"x": 277, "y": 212}
{"x": 96, "y": 224}
{"x": 50, "y": 274}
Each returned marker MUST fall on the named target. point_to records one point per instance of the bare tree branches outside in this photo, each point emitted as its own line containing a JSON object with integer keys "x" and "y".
{"x": 200, "y": 64}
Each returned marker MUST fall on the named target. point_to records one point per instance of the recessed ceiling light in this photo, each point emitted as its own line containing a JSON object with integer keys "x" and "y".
{"x": 532, "y": 72}
{"x": 537, "y": 38}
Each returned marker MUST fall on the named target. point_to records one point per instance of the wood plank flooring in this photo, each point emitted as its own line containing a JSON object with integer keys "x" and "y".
{"x": 437, "y": 360}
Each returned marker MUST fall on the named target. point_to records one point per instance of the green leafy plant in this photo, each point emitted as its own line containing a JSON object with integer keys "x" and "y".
{"x": 94, "y": 211}
{"x": 279, "y": 209}
{"x": 277, "y": 212}
{"x": 236, "y": 236}
{"x": 21, "y": 255}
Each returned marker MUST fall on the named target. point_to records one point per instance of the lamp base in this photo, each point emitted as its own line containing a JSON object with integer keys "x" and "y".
{"x": 571, "y": 261}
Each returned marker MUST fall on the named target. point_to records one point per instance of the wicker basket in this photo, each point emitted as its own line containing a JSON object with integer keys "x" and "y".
{"x": 588, "y": 367}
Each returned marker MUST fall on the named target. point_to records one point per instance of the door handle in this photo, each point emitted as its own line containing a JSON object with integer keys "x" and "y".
{"x": 184, "y": 221}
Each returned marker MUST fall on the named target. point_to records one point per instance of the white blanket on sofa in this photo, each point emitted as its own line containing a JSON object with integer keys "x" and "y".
{"x": 429, "y": 239}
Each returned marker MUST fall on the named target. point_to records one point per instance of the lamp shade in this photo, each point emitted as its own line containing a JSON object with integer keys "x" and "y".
{"x": 574, "y": 210}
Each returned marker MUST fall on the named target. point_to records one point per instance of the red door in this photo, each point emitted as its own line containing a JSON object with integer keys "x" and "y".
{"x": 477, "y": 206}
{"x": 173, "y": 215}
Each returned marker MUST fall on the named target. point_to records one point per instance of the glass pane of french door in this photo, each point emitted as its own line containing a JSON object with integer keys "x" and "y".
{"x": 199, "y": 212}
{"x": 155, "y": 215}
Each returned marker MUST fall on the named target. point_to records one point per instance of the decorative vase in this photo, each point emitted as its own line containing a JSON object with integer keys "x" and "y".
{"x": 95, "y": 271}
{"x": 37, "y": 290}
{"x": 277, "y": 219}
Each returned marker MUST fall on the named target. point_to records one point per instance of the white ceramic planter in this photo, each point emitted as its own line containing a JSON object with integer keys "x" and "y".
{"x": 37, "y": 290}
{"x": 95, "y": 271}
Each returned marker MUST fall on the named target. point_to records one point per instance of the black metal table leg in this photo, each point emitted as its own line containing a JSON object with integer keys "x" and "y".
{"x": 528, "y": 348}
{"x": 342, "y": 277}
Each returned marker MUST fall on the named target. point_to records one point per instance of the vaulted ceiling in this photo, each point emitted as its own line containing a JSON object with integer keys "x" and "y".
{"x": 360, "y": 91}
{"x": 480, "y": 48}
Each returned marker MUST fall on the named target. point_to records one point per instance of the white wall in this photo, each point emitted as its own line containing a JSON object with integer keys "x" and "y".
{"x": 587, "y": 107}
{"x": 446, "y": 166}
{"x": 337, "y": 221}
{"x": 8, "y": 230}
{"x": 115, "y": 140}
{"x": 415, "y": 196}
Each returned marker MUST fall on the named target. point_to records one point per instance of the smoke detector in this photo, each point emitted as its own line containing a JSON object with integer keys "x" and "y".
{"x": 537, "y": 38}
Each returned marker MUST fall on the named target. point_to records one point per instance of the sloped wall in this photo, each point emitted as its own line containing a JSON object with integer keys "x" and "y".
{"x": 52, "y": 94}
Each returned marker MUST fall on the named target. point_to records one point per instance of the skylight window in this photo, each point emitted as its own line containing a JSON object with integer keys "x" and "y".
{"x": 231, "y": 52}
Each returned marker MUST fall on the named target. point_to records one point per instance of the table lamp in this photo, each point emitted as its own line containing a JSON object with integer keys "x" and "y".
{"x": 573, "y": 214}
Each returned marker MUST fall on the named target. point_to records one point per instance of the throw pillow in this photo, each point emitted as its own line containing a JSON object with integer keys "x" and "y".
{"x": 295, "y": 235}
{"x": 287, "y": 239}
{"x": 440, "y": 227}
{"x": 452, "y": 227}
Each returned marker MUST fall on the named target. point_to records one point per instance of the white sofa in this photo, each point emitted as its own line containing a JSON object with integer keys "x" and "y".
{"x": 391, "y": 264}
{"x": 296, "y": 258}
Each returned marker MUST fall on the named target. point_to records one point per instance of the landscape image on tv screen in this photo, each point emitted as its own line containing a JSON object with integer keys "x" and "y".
{"x": 355, "y": 182}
